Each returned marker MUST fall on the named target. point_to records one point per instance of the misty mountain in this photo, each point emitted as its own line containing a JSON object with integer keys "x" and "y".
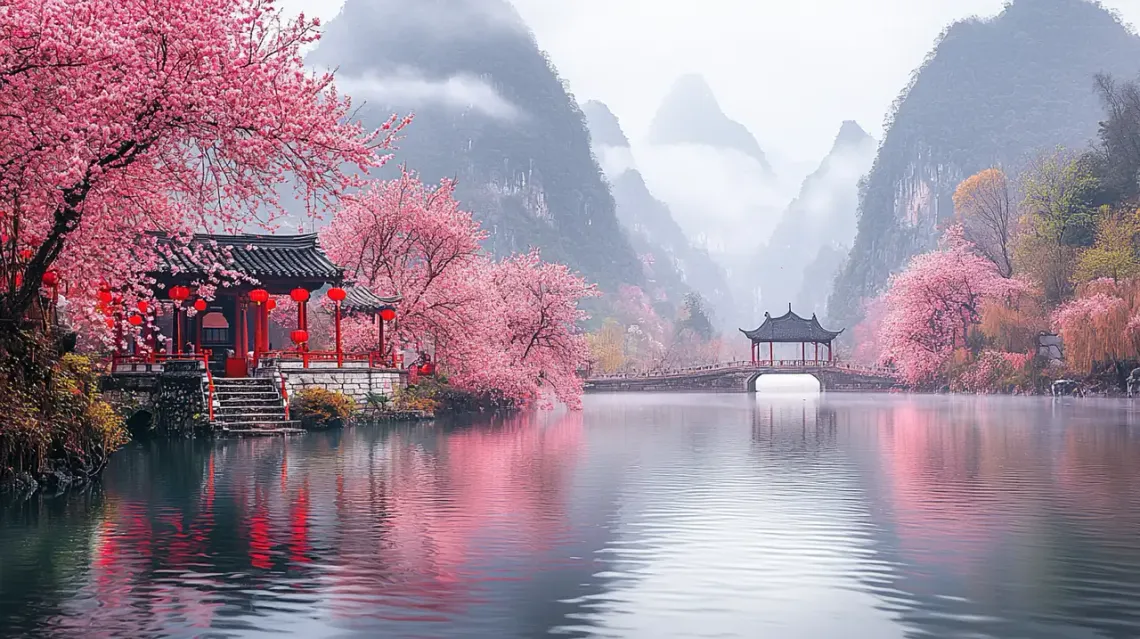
{"x": 816, "y": 226}
{"x": 992, "y": 92}
{"x": 677, "y": 265}
{"x": 491, "y": 111}
{"x": 690, "y": 114}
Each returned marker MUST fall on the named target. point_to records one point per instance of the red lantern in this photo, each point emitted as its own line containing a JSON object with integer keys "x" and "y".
{"x": 105, "y": 297}
{"x": 179, "y": 293}
{"x": 110, "y": 323}
{"x": 271, "y": 304}
{"x": 258, "y": 296}
{"x": 143, "y": 306}
{"x": 427, "y": 369}
{"x": 337, "y": 294}
{"x": 19, "y": 280}
{"x": 200, "y": 305}
{"x": 299, "y": 336}
{"x": 388, "y": 314}
{"x": 299, "y": 295}
{"x": 135, "y": 320}
{"x": 26, "y": 254}
{"x": 51, "y": 278}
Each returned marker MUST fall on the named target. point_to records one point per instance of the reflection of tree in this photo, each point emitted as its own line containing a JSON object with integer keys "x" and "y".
{"x": 374, "y": 526}
{"x": 44, "y": 545}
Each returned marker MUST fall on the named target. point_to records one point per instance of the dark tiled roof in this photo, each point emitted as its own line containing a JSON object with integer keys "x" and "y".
{"x": 259, "y": 256}
{"x": 361, "y": 300}
{"x": 790, "y": 327}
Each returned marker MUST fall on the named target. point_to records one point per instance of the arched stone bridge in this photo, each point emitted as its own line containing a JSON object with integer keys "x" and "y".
{"x": 740, "y": 377}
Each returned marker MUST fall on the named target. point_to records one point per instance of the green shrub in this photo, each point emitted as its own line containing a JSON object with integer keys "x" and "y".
{"x": 54, "y": 417}
{"x": 322, "y": 408}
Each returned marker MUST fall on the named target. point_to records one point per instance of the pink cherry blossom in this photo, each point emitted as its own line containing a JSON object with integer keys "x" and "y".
{"x": 931, "y": 306}
{"x": 175, "y": 116}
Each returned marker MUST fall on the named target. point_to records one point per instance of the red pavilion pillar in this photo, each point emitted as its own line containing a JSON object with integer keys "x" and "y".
{"x": 803, "y": 353}
{"x": 817, "y": 352}
{"x": 771, "y": 354}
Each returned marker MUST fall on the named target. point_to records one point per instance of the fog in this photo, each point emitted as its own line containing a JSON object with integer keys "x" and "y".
{"x": 409, "y": 86}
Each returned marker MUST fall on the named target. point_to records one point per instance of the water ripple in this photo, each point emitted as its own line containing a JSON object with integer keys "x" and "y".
{"x": 643, "y": 516}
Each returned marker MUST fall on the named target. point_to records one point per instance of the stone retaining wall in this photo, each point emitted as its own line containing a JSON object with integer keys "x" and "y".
{"x": 357, "y": 383}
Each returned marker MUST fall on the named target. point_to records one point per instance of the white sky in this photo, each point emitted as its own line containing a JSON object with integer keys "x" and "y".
{"x": 789, "y": 70}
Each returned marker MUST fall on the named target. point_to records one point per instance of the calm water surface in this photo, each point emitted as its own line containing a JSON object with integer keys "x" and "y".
{"x": 643, "y": 516}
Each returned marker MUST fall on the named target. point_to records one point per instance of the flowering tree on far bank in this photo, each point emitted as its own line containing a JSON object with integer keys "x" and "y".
{"x": 174, "y": 116}
{"x": 504, "y": 328}
{"x": 932, "y": 305}
{"x": 1102, "y": 324}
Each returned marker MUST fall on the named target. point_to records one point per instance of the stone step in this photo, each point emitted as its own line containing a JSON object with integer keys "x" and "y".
{"x": 260, "y": 416}
{"x": 244, "y": 395}
{"x": 237, "y": 403}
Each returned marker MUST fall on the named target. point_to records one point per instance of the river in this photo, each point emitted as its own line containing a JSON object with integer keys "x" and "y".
{"x": 643, "y": 516}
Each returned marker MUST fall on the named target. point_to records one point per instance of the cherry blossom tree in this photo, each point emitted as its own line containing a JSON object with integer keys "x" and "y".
{"x": 505, "y": 328}
{"x": 539, "y": 305}
{"x": 932, "y": 305}
{"x": 123, "y": 117}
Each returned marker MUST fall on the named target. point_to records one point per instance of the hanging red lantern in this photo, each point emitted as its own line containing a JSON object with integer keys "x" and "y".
{"x": 299, "y": 336}
{"x": 51, "y": 278}
{"x": 387, "y": 313}
{"x": 271, "y": 304}
{"x": 337, "y": 294}
{"x": 179, "y": 293}
{"x": 110, "y": 323}
{"x": 200, "y": 305}
{"x": 299, "y": 295}
{"x": 26, "y": 254}
{"x": 258, "y": 296}
{"x": 19, "y": 280}
{"x": 427, "y": 369}
{"x": 143, "y": 306}
{"x": 105, "y": 297}
{"x": 135, "y": 320}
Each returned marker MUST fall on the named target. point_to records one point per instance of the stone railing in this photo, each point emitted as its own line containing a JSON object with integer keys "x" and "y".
{"x": 790, "y": 364}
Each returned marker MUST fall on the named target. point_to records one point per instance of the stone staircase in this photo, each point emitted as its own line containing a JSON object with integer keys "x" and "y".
{"x": 250, "y": 406}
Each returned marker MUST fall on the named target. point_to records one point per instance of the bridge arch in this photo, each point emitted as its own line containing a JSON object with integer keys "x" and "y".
{"x": 750, "y": 384}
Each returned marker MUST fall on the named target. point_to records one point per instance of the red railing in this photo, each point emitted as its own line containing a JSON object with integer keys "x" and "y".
{"x": 284, "y": 396}
{"x": 744, "y": 364}
{"x": 160, "y": 358}
{"x": 209, "y": 392}
{"x": 374, "y": 359}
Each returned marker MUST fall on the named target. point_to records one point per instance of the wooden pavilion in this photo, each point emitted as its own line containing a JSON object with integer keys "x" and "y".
{"x": 235, "y": 324}
{"x": 790, "y": 329}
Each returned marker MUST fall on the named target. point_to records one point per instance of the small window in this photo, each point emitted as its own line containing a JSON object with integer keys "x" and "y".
{"x": 215, "y": 329}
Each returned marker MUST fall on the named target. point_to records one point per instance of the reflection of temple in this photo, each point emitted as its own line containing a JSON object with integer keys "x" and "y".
{"x": 375, "y": 528}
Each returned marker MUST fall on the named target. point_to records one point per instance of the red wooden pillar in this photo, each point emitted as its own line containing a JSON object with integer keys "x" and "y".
{"x": 177, "y": 329}
{"x": 817, "y": 352}
{"x": 771, "y": 354}
{"x": 752, "y": 349}
{"x": 829, "y": 352}
{"x": 803, "y": 353}
{"x": 339, "y": 351}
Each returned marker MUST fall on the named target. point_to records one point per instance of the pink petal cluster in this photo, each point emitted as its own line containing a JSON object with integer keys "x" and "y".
{"x": 174, "y": 116}
{"x": 506, "y": 328}
{"x": 931, "y": 306}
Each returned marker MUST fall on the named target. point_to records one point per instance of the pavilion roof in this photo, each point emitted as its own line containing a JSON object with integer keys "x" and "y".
{"x": 359, "y": 299}
{"x": 259, "y": 256}
{"x": 790, "y": 327}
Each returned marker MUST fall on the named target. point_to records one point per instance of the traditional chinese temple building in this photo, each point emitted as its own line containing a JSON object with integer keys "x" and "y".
{"x": 225, "y": 344}
{"x": 790, "y": 328}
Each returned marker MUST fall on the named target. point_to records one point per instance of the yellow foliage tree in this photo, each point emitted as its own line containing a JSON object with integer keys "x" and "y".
{"x": 1114, "y": 254}
{"x": 607, "y": 346}
{"x": 982, "y": 203}
{"x": 1012, "y": 326}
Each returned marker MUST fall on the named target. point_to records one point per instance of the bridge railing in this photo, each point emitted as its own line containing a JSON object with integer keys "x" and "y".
{"x": 791, "y": 364}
